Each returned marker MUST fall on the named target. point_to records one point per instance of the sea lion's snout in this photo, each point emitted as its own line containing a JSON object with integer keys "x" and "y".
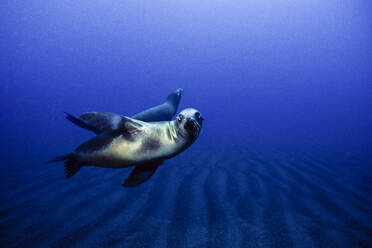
{"x": 190, "y": 124}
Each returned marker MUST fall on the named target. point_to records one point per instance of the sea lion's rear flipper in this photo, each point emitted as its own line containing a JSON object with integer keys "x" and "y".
{"x": 141, "y": 174}
{"x": 72, "y": 167}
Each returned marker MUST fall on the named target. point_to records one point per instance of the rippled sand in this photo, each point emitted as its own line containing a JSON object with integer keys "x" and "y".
{"x": 208, "y": 198}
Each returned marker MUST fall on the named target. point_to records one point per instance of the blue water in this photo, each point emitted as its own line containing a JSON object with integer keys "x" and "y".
{"x": 284, "y": 157}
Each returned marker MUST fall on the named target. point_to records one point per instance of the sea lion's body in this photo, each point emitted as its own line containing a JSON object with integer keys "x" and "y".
{"x": 136, "y": 143}
{"x": 150, "y": 141}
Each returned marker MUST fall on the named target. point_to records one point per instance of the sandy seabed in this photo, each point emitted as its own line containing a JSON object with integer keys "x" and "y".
{"x": 203, "y": 198}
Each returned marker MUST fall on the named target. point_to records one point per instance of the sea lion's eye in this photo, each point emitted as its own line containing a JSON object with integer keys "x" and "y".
{"x": 180, "y": 117}
{"x": 198, "y": 116}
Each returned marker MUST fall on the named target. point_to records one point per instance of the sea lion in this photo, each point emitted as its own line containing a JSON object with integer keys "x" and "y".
{"x": 98, "y": 122}
{"x": 136, "y": 143}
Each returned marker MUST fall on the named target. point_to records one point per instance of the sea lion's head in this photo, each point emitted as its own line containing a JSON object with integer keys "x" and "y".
{"x": 189, "y": 122}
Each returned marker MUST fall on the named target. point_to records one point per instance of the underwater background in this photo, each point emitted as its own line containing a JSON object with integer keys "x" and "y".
{"x": 284, "y": 157}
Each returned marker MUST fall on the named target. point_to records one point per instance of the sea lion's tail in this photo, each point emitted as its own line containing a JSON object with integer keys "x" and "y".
{"x": 72, "y": 166}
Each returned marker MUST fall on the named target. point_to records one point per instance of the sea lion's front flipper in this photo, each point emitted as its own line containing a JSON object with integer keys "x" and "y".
{"x": 97, "y": 122}
{"x": 162, "y": 112}
{"x": 100, "y": 122}
{"x": 82, "y": 123}
{"x": 141, "y": 174}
